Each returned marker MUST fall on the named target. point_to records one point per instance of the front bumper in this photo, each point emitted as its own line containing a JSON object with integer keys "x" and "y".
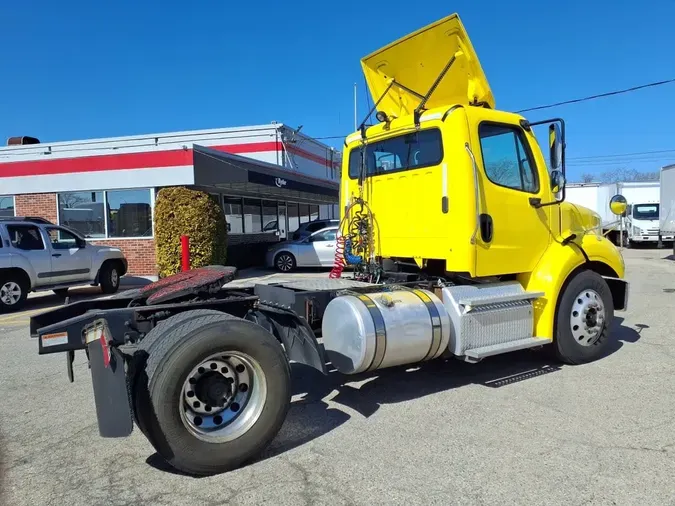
{"x": 650, "y": 238}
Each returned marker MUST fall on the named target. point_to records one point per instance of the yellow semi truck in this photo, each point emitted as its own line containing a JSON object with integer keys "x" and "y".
{"x": 449, "y": 184}
{"x": 459, "y": 243}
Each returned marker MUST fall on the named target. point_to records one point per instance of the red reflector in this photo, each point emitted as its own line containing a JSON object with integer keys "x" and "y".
{"x": 106, "y": 350}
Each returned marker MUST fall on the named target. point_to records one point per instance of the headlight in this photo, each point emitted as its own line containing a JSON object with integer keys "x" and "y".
{"x": 637, "y": 231}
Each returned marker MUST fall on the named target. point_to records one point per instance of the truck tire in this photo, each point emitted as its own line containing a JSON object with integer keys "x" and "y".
{"x": 109, "y": 277}
{"x": 216, "y": 390}
{"x": 583, "y": 319}
{"x": 13, "y": 292}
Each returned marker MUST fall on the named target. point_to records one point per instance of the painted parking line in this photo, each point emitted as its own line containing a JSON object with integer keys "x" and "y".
{"x": 23, "y": 315}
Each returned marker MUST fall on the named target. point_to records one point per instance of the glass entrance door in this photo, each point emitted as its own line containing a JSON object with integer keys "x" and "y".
{"x": 282, "y": 221}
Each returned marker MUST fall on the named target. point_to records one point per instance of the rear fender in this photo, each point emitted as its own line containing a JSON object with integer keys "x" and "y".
{"x": 559, "y": 264}
{"x": 294, "y": 333}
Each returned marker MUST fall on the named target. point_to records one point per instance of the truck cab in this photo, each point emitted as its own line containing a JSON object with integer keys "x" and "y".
{"x": 642, "y": 224}
{"x": 446, "y": 183}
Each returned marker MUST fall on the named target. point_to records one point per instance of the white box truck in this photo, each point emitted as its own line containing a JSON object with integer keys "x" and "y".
{"x": 596, "y": 197}
{"x": 667, "y": 200}
{"x": 641, "y": 224}
{"x": 642, "y": 214}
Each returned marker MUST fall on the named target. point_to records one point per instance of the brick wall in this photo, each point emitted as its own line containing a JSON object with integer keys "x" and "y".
{"x": 140, "y": 253}
{"x": 42, "y": 205}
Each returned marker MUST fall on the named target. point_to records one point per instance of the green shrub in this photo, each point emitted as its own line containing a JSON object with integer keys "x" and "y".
{"x": 181, "y": 211}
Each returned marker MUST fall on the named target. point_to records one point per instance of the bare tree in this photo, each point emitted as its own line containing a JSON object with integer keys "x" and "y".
{"x": 625, "y": 174}
{"x": 587, "y": 178}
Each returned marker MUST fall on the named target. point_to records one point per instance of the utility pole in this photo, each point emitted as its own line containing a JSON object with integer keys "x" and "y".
{"x": 355, "y": 117}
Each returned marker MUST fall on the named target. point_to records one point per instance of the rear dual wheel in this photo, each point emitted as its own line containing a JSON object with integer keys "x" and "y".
{"x": 214, "y": 392}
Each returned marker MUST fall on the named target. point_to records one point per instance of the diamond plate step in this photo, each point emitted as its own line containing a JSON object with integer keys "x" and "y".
{"x": 492, "y": 299}
{"x": 496, "y": 349}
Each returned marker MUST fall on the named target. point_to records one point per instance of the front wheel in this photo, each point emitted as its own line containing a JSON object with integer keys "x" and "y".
{"x": 110, "y": 277}
{"x": 219, "y": 389}
{"x": 583, "y": 319}
{"x": 285, "y": 262}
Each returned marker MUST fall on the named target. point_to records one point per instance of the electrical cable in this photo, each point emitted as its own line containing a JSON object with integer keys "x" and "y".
{"x": 565, "y": 102}
{"x": 600, "y": 95}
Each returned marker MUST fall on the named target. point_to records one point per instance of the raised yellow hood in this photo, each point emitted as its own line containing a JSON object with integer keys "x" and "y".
{"x": 416, "y": 60}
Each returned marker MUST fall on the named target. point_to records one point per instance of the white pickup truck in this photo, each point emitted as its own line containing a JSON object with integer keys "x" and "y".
{"x": 36, "y": 255}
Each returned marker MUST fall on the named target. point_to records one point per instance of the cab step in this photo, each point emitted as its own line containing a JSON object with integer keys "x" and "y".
{"x": 490, "y": 319}
{"x": 477, "y": 354}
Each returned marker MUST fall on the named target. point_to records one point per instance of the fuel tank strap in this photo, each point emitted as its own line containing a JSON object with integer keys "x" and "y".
{"x": 436, "y": 329}
{"x": 380, "y": 331}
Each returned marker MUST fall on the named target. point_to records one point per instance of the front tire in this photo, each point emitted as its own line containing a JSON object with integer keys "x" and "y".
{"x": 583, "y": 319}
{"x": 285, "y": 262}
{"x": 110, "y": 277}
{"x": 219, "y": 389}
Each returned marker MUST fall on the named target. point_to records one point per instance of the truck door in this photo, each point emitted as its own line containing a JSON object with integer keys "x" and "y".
{"x": 512, "y": 234}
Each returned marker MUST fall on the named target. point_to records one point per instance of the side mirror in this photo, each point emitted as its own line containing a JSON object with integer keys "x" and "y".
{"x": 555, "y": 143}
{"x": 557, "y": 182}
{"x": 81, "y": 243}
{"x": 618, "y": 204}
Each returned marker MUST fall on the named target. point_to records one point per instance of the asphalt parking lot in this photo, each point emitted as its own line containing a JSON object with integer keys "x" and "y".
{"x": 515, "y": 429}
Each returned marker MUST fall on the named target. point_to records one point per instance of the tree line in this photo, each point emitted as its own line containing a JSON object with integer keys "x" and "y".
{"x": 620, "y": 175}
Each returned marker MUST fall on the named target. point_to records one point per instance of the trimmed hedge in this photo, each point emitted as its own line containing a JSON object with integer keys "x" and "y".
{"x": 181, "y": 211}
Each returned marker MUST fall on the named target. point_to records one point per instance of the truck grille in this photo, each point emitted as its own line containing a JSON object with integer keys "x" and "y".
{"x": 653, "y": 231}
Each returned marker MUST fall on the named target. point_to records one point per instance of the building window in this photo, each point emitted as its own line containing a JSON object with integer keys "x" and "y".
{"x": 293, "y": 217}
{"x": 84, "y": 212}
{"x": 252, "y": 216}
{"x": 129, "y": 213}
{"x": 233, "y": 215}
{"x": 313, "y": 213}
{"x": 304, "y": 213}
{"x": 6, "y": 206}
{"x": 107, "y": 214}
{"x": 270, "y": 216}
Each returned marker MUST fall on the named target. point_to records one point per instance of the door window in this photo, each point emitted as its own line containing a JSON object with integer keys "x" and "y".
{"x": 506, "y": 157}
{"x": 62, "y": 239}
{"x": 26, "y": 237}
{"x": 326, "y": 235}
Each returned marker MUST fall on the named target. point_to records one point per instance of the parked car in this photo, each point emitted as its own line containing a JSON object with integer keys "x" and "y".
{"x": 36, "y": 255}
{"x": 315, "y": 250}
{"x": 306, "y": 229}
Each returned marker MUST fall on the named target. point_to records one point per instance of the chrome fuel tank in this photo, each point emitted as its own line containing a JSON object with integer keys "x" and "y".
{"x": 365, "y": 332}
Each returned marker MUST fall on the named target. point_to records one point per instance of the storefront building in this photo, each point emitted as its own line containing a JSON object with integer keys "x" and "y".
{"x": 269, "y": 179}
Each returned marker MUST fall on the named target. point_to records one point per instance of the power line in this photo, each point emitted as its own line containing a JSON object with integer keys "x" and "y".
{"x": 622, "y": 155}
{"x": 548, "y": 106}
{"x": 601, "y": 95}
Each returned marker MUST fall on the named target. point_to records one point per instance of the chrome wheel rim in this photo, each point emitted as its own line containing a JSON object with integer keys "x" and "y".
{"x": 223, "y": 397}
{"x": 10, "y": 293}
{"x": 114, "y": 278}
{"x": 285, "y": 263}
{"x": 587, "y": 318}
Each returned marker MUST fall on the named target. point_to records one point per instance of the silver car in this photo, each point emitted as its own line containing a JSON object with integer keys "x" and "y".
{"x": 316, "y": 250}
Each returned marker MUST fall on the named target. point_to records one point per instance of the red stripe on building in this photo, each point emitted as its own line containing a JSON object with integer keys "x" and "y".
{"x": 144, "y": 160}
{"x": 96, "y": 163}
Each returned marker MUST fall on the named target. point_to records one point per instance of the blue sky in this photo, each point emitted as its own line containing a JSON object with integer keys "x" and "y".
{"x": 76, "y": 69}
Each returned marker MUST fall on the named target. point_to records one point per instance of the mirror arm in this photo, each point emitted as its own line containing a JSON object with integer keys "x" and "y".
{"x": 536, "y": 202}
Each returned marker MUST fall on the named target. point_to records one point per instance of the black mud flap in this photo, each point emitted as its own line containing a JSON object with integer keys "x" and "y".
{"x": 113, "y": 408}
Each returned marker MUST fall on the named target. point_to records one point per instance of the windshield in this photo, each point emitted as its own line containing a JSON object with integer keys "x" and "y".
{"x": 646, "y": 211}
{"x": 403, "y": 152}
